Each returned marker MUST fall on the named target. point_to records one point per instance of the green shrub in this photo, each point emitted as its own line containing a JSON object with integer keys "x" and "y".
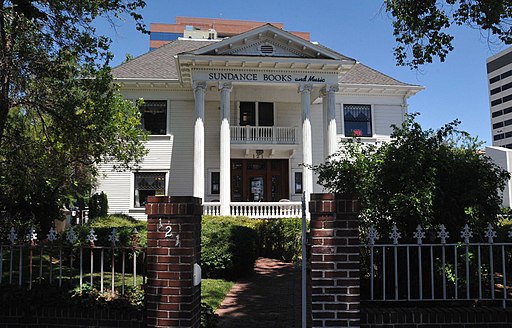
{"x": 103, "y": 226}
{"x": 281, "y": 239}
{"x": 208, "y": 317}
{"x": 229, "y": 247}
{"x": 98, "y": 205}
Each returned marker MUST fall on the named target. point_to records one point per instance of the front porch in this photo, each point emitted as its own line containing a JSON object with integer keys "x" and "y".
{"x": 257, "y": 210}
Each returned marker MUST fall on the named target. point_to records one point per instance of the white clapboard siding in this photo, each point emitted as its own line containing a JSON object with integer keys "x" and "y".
{"x": 117, "y": 186}
{"x": 182, "y": 159}
{"x": 385, "y": 116}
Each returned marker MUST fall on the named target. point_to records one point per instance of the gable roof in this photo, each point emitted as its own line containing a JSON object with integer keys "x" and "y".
{"x": 159, "y": 63}
{"x": 275, "y": 35}
{"x": 362, "y": 74}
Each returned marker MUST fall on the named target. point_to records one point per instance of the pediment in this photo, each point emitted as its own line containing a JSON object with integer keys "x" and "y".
{"x": 269, "y": 41}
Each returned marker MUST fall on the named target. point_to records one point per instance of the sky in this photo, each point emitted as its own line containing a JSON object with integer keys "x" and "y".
{"x": 454, "y": 89}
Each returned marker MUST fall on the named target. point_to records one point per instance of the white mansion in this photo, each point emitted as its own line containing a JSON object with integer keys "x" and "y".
{"x": 232, "y": 120}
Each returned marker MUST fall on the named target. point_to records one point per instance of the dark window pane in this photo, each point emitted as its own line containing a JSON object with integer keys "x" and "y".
{"x": 215, "y": 183}
{"x": 266, "y": 113}
{"x": 498, "y": 136}
{"x": 154, "y": 116}
{"x": 298, "y": 183}
{"x": 497, "y": 125}
{"x": 507, "y": 110}
{"x": 247, "y": 113}
{"x": 148, "y": 184}
{"x": 497, "y": 113}
{"x": 496, "y": 102}
{"x": 506, "y": 86}
{"x": 495, "y": 91}
{"x": 506, "y": 74}
{"x": 358, "y": 121}
{"x": 508, "y": 122}
{"x": 494, "y": 79}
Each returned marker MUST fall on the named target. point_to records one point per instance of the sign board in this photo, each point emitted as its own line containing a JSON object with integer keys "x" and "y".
{"x": 264, "y": 77}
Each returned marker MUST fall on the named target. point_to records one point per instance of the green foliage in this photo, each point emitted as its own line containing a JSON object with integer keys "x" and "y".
{"x": 421, "y": 176}
{"x": 228, "y": 247}
{"x": 98, "y": 205}
{"x": 208, "y": 317}
{"x": 60, "y": 112}
{"x": 421, "y": 28}
{"x": 103, "y": 226}
{"x": 281, "y": 239}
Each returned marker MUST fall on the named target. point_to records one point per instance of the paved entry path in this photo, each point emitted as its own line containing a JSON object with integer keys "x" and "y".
{"x": 270, "y": 298}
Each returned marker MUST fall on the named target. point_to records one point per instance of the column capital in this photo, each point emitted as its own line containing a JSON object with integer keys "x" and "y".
{"x": 305, "y": 88}
{"x": 225, "y": 86}
{"x": 199, "y": 85}
{"x": 329, "y": 89}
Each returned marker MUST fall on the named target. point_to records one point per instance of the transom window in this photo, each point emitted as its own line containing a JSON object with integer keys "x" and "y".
{"x": 256, "y": 113}
{"x": 357, "y": 120}
{"x": 154, "y": 116}
{"x": 148, "y": 184}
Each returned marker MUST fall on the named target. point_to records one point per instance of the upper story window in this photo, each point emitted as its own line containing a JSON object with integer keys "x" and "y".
{"x": 154, "y": 116}
{"x": 357, "y": 120}
{"x": 256, "y": 113}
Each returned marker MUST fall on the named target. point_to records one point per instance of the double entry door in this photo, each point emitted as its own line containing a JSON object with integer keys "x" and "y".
{"x": 259, "y": 180}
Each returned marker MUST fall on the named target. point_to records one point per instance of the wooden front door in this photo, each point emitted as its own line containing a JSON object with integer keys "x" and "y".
{"x": 259, "y": 180}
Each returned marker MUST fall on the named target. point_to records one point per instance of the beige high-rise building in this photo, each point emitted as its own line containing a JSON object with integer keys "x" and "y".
{"x": 499, "y": 73}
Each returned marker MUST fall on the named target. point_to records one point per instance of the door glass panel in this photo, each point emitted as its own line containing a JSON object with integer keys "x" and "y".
{"x": 256, "y": 165}
{"x": 256, "y": 187}
{"x": 275, "y": 188}
{"x": 266, "y": 114}
{"x": 247, "y": 113}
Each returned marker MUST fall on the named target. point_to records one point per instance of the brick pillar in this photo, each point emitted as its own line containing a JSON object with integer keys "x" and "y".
{"x": 174, "y": 246}
{"x": 334, "y": 261}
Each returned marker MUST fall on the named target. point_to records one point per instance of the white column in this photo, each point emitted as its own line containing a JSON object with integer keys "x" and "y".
{"x": 225, "y": 149}
{"x": 307, "y": 150}
{"x": 332, "y": 144}
{"x": 199, "y": 185}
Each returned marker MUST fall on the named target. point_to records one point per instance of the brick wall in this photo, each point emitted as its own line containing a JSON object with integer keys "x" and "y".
{"x": 174, "y": 246}
{"x": 334, "y": 261}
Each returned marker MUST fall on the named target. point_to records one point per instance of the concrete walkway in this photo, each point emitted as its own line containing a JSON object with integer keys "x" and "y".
{"x": 270, "y": 298}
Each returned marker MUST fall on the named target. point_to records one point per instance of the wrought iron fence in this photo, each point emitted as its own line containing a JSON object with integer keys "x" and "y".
{"x": 67, "y": 260}
{"x": 463, "y": 270}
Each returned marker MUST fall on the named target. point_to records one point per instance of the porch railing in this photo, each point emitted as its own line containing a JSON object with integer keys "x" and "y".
{"x": 257, "y": 210}
{"x": 264, "y": 134}
{"x": 460, "y": 270}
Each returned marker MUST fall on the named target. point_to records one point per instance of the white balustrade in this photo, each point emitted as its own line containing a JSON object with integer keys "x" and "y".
{"x": 257, "y": 210}
{"x": 264, "y": 134}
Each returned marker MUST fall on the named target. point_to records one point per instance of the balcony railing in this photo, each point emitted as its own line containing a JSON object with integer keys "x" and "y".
{"x": 257, "y": 210}
{"x": 264, "y": 134}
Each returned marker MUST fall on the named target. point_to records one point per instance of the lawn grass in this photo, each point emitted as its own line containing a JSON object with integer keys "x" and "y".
{"x": 213, "y": 291}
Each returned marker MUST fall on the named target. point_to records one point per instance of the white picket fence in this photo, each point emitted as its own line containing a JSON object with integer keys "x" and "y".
{"x": 257, "y": 210}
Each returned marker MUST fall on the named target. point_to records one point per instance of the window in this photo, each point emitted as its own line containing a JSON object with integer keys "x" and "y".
{"x": 154, "y": 116}
{"x": 256, "y": 114}
{"x": 148, "y": 184}
{"x": 215, "y": 183}
{"x": 497, "y": 113}
{"x": 358, "y": 120}
{"x": 494, "y": 79}
{"x": 497, "y": 125}
{"x": 496, "y": 102}
{"x": 297, "y": 186}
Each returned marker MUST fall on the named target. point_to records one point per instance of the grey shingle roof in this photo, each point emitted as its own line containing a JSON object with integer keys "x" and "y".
{"x": 159, "y": 63}
{"x": 362, "y": 74}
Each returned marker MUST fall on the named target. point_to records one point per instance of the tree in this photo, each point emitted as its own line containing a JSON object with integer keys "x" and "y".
{"x": 60, "y": 112}
{"x": 420, "y": 176}
{"x": 421, "y": 28}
